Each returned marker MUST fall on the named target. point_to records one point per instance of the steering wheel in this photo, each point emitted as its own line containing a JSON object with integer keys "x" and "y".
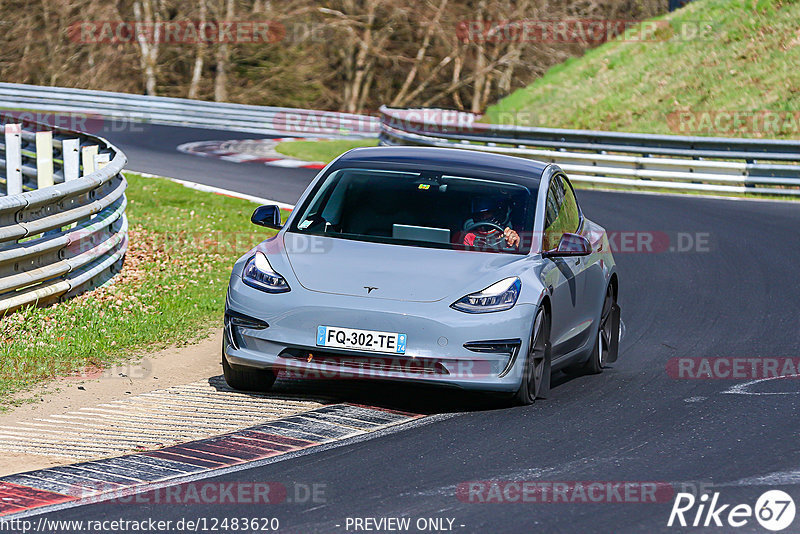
{"x": 491, "y": 225}
{"x": 474, "y": 225}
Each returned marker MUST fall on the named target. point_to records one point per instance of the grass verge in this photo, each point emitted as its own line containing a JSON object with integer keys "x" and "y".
{"x": 322, "y": 151}
{"x": 171, "y": 290}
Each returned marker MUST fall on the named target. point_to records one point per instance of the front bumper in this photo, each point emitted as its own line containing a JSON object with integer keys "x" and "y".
{"x": 435, "y": 351}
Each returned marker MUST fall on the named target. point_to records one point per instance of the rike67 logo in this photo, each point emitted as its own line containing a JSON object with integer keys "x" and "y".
{"x": 774, "y": 510}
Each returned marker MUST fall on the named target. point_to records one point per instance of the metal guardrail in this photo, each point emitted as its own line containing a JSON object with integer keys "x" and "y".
{"x": 641, "y": 161}
{"x": 63, "y": 228}
{"x": 185, "y": 112}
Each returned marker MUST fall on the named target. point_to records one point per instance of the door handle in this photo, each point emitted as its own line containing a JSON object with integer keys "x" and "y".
{"x": 577, "y": 261}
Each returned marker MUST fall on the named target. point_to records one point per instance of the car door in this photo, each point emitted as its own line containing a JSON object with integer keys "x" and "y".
{"x": 587, "y": 270}
{"x": 566, "y": 277}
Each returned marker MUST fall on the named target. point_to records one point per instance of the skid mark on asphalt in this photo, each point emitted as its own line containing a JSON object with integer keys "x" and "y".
{"x": 781, "y": 381}
{"x": 113, "y": 477}
{"x": 149, "y": 421}
{"x": 250, "y": 151}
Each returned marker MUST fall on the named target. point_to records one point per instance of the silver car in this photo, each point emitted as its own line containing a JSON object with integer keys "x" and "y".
{"x": 426, "y": 265}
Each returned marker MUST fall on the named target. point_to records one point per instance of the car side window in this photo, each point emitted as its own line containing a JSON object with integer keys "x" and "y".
{"x": 561, "y": 212}
{"x": 572, "y": 215}
{"x": 552, "y": 208}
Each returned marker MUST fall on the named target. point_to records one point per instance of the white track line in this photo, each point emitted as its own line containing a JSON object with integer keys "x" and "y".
{"x": 218, "y": 190}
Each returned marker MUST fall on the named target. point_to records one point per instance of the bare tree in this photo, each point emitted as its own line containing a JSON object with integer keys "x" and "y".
{"x": 223, "y": 58}
{"x": 366, "y": 28}
{"x": 480, "y": 65}
{"x": 144, "y": 13}
{"x": 342, "y": 54}
{"x": 197, "y": 70}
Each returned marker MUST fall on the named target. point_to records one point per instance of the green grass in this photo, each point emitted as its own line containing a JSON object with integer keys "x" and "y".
{"x": 322, "y": 151}
{"x": 171, "y": 291}
{"x": 747, "y": 61}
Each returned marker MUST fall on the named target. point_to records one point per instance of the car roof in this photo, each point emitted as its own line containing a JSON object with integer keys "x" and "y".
{"x": 451, "y": 160}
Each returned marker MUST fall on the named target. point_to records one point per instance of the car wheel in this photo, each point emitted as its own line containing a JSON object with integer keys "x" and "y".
{"x": 536, "y": 373}
{"x": 606, "y": 337}
{"x": 259, "y": 380}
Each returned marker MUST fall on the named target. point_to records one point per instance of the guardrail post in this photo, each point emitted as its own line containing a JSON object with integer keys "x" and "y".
{"x": 87, "y": 158}
{"x": 39, "y": 273}
{"x": 101, "y": 160}
{"x": 13, "y": 138}
{"x": 70, "y": 153}
{"x": 44, "y": 159}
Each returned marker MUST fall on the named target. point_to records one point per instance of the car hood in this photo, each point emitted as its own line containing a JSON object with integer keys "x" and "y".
{"x": 396, "y": 272}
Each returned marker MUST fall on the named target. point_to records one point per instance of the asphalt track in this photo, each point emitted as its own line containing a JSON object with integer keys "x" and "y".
{"x": 151, "y": 148}
{"x": 631, "y": 423}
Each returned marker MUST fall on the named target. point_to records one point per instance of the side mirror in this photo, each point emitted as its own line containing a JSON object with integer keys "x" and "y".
{"x": 269, "y": 216}
{"x": 570, "y": 245}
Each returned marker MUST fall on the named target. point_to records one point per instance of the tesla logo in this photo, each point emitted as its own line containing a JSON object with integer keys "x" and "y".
{"x": 370, "y": 289}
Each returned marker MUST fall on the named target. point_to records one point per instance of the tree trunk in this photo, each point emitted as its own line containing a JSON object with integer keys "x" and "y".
{"x": 459, "y": 62}
{"x": 143, "y": 12}
{"x": 480, "y": 66}
{"x": 365, "y": 90}
{"x": 360, "y": 66}
{"x": 197, "y": 71}
{"x": 223, "y": 57}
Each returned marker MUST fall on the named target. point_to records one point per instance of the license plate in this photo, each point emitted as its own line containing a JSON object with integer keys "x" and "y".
{"x": 353, "y": 339}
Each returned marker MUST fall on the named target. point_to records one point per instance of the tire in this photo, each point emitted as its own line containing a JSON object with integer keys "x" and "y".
{"x": 245, "y": 379}
{"x": 536, "y": 372}
{"x": 605, "y": 340}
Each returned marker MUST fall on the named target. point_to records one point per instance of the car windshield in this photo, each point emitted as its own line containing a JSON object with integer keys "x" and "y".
{"x": 421, "y": 208}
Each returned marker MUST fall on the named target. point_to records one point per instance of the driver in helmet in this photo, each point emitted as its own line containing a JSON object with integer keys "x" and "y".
{"x": 489, "y": 226}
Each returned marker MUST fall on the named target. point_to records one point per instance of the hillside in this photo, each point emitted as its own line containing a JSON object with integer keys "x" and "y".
{"x": 740, "y": 78}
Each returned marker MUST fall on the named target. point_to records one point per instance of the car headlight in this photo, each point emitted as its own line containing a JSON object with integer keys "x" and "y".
{"x": 497, "y": 297}
{"x": 258, "y": 273}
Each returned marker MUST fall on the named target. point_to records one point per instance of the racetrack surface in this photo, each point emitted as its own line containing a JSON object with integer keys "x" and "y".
{"x": 631, "y": 423}
{"x": 151, "y": 148}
